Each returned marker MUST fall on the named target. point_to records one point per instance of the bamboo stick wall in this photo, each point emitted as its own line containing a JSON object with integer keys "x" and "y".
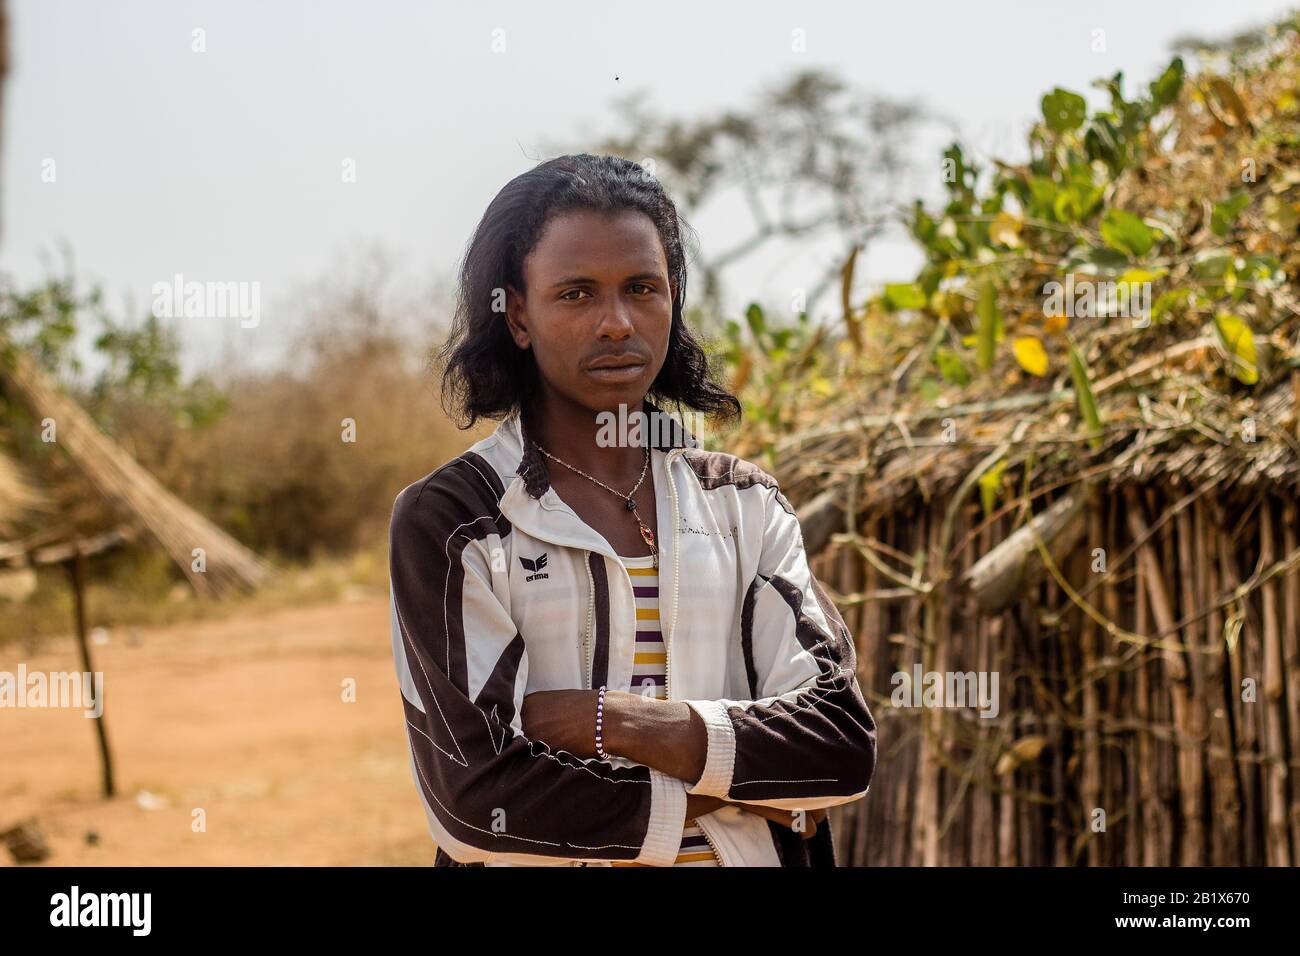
{"x": 1154, "y": 734}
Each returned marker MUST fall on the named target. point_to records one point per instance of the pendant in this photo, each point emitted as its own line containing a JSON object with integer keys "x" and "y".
{"x": 631, "y": 504}
{"x": 647, "y": 535}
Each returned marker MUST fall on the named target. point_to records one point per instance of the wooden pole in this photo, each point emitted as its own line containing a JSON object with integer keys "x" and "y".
{"x": 1291, "y": 630}
{"x": 1273, "y": 689}
{"x": 76, "y": 566}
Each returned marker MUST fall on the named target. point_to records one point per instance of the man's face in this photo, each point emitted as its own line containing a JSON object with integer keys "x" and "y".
{"x": 598, "y": 310}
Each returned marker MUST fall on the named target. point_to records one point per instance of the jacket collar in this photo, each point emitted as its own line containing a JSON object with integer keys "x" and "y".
{"x": 664, "y": 431}
{"x": 547, "y": 517}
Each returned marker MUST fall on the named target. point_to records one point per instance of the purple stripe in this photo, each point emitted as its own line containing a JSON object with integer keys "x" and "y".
{"x": 653, "y": 636}
{"x": 646, "y": 592}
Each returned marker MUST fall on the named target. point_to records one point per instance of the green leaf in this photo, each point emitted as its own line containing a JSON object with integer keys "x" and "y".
{"x": 1240, "y": 343}
{"x": 757, "y": 325}
{"x": 1211, "y": 264}
{"x": 1164, "y": 90}
{"x": 1262, "y": 270}
{"x": 1126, "y": 233}
{"x": 1103, "y": 141}
{"x": 951, "y": 367}
{"x": 1084, "y": 397}
{"x": 904, "y": 295}
{"x": 1063, "y": 110}
{"x": 1169, "y": 302}
{"x": 986, "y": 310}
{"x": 1226, "y": 212}
{"x": 1107, "y": 262}
{"x": 1074, "y": 203}
{"x": 1043, "y": 193}
{"x": 990, "y": 484}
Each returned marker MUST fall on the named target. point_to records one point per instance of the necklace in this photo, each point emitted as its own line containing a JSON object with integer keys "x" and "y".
{"x": 629, "y": 502}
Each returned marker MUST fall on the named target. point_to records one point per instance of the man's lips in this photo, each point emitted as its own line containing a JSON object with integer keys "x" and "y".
{"x": 618, "y": 368}
{"x": 619, "y": 359}
{"x": 628, "y": 372}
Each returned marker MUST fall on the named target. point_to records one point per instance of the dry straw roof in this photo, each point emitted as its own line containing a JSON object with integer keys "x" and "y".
{"x": 17, "y": 495}
{"x": 213, "y": 561}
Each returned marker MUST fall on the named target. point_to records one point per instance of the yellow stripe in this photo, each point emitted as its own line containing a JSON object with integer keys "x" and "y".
{"x": 698, "y": 856}
{"x": 642, "y": 572}
{"x": 648, "y": 658}
{"x": 694, "y": 857}
{"x": 647, "y": 614}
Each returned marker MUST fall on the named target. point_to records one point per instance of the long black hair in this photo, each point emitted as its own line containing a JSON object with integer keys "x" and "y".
{"x": 485, "y": 374}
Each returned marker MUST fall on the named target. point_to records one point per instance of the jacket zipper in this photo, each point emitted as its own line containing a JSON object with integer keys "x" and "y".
{"x": 709, "y": 840}
{"x": 591, "y": 614}
{"x": 668, "y": 660}
{"x": 668, "y": 644}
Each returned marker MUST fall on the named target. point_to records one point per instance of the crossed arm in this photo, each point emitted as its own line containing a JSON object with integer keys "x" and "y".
{"x": 668, "y": 735}
{"x": 494, "y": 788}
{"x": 665, "y": 734}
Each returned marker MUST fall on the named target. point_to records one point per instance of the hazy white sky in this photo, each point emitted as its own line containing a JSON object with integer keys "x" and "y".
{"x": 225, "y": 165}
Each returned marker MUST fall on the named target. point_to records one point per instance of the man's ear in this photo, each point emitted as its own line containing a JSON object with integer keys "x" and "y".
{"x": 516, "y": 318}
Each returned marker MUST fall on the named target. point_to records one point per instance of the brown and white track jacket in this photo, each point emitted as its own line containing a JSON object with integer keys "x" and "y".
{"x": 497, "y": 593}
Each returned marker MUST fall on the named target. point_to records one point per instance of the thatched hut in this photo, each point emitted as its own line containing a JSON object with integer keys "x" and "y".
{"x": 1105, "y": 517}
{"x": 1168, "y": 582}
{"x": 17, "y": 494}
{"x": 130, "y": 499}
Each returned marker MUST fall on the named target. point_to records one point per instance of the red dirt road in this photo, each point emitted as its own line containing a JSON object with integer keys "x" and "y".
{"x": 241, "y": 718}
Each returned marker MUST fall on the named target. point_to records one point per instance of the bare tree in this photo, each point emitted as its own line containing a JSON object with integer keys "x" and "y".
{"x": 810, "y": 157}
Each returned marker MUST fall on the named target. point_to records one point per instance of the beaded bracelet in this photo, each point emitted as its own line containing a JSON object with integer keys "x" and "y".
{"x": 600, "y": 715}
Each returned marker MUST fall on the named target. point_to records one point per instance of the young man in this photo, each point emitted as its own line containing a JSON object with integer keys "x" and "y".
{"x": 566, "y": 585}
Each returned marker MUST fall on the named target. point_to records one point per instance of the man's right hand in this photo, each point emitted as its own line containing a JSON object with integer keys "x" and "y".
{"x": 697, "y": 805}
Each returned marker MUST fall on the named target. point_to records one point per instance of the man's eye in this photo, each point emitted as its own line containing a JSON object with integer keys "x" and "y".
{"x": 570, "y": 292}
{"x": 642, "y": 285}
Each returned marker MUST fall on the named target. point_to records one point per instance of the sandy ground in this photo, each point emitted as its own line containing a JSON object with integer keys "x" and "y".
{"x": 243, "y": 718}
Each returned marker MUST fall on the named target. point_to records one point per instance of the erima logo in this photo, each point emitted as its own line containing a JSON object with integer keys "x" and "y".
{"x": 535, "y": 565}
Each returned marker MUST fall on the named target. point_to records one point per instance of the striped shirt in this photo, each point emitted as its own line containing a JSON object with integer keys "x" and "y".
{"x": 650, "y": 677}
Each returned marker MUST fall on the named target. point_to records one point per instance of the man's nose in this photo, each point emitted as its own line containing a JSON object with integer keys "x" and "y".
{"x": 615, "y": 321}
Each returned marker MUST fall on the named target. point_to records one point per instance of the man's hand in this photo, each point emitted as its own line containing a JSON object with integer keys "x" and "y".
{"x": 806, "y": 819}
{"x": 787, "y": 818}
